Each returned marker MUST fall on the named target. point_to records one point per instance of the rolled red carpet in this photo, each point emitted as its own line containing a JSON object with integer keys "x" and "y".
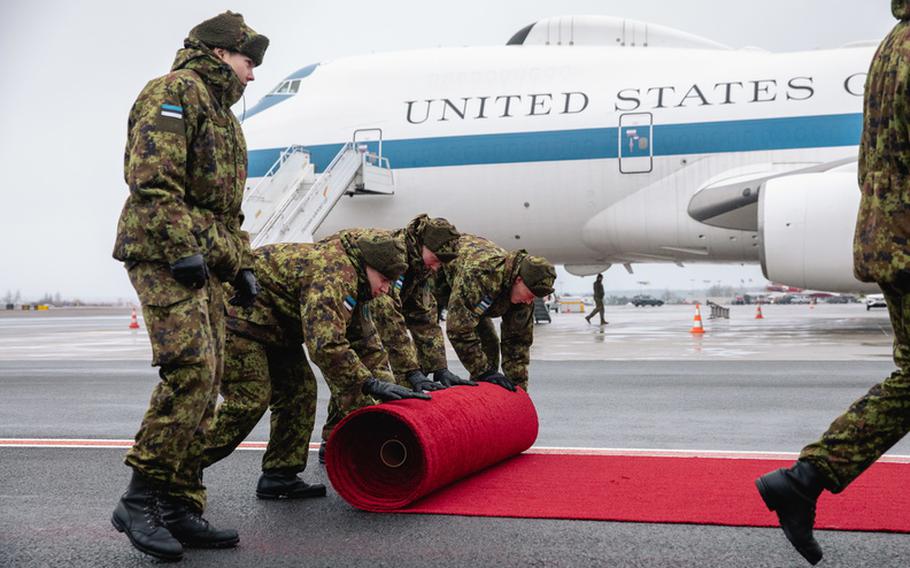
{"x": 384, "y": 457}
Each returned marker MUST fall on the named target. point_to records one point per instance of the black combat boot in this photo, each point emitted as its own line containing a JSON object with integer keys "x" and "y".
{"x": 792, "y": 494}
{"x": 138, "y": 514}
{"x": 188, "y": 526}
{"x": 322, "y": 452}
{"x": 286, "y": 485}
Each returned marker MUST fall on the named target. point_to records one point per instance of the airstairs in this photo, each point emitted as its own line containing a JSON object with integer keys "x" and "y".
{"x": 291, "y": 201}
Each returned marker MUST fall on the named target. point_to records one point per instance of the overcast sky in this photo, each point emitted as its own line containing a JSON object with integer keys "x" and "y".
{"x": 72, "y": 69}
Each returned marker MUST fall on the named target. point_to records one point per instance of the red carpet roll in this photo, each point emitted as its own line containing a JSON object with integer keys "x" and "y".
{"x": 384, "y": 457}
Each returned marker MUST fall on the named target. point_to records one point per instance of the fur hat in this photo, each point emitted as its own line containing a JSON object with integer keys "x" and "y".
{"x": 229, "y": 31}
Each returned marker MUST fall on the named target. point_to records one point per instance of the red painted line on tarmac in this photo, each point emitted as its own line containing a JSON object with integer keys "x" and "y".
{"x": 632, "y": 452}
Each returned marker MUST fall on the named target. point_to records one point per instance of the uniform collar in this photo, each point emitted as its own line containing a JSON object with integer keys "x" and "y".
{"x": 218, "y": 75}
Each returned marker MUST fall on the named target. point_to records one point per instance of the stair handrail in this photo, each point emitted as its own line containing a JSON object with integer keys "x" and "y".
{"x": 294, "y": 199}
{"x": 282, "y": 158}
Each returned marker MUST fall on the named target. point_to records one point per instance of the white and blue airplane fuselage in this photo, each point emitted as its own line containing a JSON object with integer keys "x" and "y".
{"x": 594, "y": 155}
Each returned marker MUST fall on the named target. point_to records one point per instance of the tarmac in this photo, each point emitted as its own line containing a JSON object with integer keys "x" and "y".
{"x": 642, "y": 382}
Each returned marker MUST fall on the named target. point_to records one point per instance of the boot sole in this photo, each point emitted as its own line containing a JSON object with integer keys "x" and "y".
{"x": 223, "y": 544}
{"x": 282, "y": 496}
{"x": 120, "y": 528}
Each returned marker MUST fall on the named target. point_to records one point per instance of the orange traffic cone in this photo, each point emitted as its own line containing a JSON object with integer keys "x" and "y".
{"x": 134, "y": 321}
{"x": 758, "y": 314}
{"x": 697, "y": 326}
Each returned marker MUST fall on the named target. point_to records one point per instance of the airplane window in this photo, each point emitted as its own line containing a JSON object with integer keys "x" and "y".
{"x": 283, "y": 88}
{"x": 295, "y": 85}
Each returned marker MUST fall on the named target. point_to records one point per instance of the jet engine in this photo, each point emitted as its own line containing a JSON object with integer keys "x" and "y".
{"x": 806, "y": 224}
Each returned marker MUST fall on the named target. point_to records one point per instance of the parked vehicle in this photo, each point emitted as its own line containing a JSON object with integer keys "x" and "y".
{"x": 645, "y": 300}
{"x": 875, "y": 301}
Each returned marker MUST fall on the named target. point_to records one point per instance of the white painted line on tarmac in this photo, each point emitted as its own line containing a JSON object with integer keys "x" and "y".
{"x": 557, "y": 450}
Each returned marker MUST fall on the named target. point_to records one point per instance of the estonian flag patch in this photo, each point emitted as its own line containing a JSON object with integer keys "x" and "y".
{"x": 349, "y": 303}
{"x": 172, "y": 111}
{"x": 399, "y": 283}
{"x": 484, "y": 304}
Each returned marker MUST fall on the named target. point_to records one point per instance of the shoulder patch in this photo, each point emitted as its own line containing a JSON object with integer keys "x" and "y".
{"x": 483, "y": 305}
{"x": 399, "y": 283}
{"x": 170, "y": 118}
{"x": 172, "y": 111}
{"x": 349, "y": 303}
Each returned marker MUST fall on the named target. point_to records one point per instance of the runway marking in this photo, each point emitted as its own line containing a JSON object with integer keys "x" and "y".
{"x": 636, "y": 452}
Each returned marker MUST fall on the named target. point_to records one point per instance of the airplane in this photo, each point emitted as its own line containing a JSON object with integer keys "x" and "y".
{"x": 590, "y": 140}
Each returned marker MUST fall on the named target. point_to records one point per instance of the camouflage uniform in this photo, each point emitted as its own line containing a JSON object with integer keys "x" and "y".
{"x": 315, "y": 294}
{"x": 881, "y": 418}
{"x": 481, "y": 279}
{"x": 185, "y": 164}
{"x": 410, "y": 307}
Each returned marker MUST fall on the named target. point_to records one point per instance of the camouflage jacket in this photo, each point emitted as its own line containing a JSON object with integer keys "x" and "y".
{"x": 410, "y": 306}
{"x": 186, "y": 165}
{"x": 481, "y": 279}
{"x": 881, "y": 244}
{"x": 315, "y": 294}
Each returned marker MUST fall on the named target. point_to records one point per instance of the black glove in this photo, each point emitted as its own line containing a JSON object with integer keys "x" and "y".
{"x": 450, "y": 379}
{"x": 246, "y": 287}
{"x": 420, "y": 382}
{"x": 389, "y": 391}
{"x": 497, "y": 379}
{"x": 190, "y": 271}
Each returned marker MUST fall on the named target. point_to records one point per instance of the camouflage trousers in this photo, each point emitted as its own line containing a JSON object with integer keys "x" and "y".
{"x": 598, "y": 309}
{"x": 256, "y": 377}
{"x": 186, "y": 330}
{"x": 876, "y": 421}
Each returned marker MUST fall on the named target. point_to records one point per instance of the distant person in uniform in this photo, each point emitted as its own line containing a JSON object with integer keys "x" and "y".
{"x": 179, "y": 237}
{"x": 490, "y": 282}
{"x": 318, "y": 295}
{"x": 598, "y": 300}
{"x": 878, "y": 420}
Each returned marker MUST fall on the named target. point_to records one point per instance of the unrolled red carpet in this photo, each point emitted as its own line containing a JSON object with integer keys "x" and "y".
{"x": 710, "y": 491}
{"x": 454, "y": 455}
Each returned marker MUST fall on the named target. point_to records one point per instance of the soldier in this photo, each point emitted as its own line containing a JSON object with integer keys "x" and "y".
{"x": 598, "y": 300}
{"x": 317, "y": 295}
{"x": 411, "y": 307}
{"x": 489, "y": 282}
{"x": 179, "y": 237}
{"x": 878, "y": 420}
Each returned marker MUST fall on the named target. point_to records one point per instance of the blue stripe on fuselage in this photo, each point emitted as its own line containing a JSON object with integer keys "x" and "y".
{"x": 597, "y": 143}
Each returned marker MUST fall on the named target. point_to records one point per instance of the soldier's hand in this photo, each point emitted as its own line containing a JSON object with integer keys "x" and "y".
{"x": 450, "y": 379}
{"x": 420, "y": 382}
{"x": 497, "y": 379}
{"x": 389, "y": 391}
{"x": 191, "y": 271}
{"x": 247, "y": 288}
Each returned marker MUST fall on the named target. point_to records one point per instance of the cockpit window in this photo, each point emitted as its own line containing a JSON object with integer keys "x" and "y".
{"x": 287, "y": 88}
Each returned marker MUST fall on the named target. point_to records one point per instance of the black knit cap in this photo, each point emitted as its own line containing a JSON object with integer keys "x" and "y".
{"x": 229, "y": 31}
{"x": 384, "y": 253}
{"x": 538, "y": 275}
